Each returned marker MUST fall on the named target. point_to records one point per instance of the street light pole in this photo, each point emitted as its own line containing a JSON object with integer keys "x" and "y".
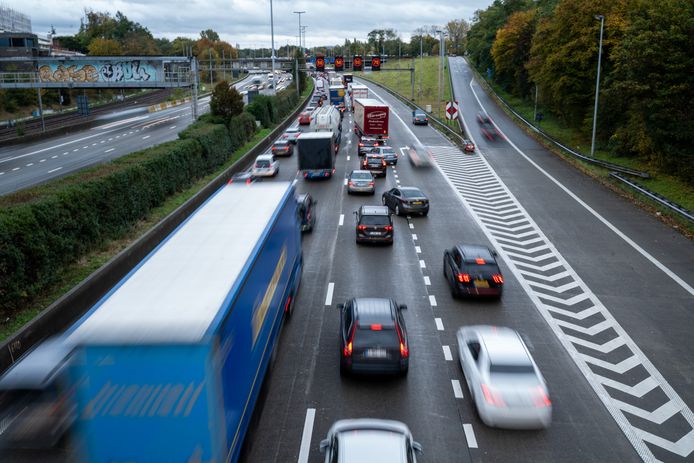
{"x": 272, "y": 40}
{"x": 300, "y": 13}
{"x": 440, "y": 96}
{"x": 597, "y": 86}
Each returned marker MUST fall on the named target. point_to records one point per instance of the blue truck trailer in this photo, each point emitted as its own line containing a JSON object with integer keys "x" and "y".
{"x": 169, "y": 364}
{"x": 337, "y": 97}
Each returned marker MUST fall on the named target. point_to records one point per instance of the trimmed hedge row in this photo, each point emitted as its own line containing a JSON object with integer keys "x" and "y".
{"x": 45, "y": 229}
{"x": 271, "y": 109}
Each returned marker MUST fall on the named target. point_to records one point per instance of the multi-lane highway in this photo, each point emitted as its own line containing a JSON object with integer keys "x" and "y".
{"x": 601, "y": 292}
{"x": 116, "y": 135}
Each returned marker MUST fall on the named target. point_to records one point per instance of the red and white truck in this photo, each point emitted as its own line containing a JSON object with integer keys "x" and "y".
{"x": 370, "y": 118}
{"x": 357, "y": 91}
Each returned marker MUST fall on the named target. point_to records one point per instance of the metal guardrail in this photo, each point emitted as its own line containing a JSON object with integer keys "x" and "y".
{"x": 684, "y": 212}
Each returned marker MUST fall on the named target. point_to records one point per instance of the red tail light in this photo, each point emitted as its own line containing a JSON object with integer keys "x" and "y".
{"x": 384, "y": 163}
{"x": 361, "y": 144}
{"x": 305, "y": 174}
{"x": 389, "y": 228}
{"x": 480, "y": 261}
{"x": 347, "y": 351}
{"x": 371, "y": 183}
{"x": 498, "y": 279}
{"x": 540, "y": 398}
{"x": 361, "y": 227}
{"x": 350, "y": 183}
{"x": 404, "y": 350}
{"x": 492, "y": 397}
{"x": 376, "y": 327}
{"x": 464, "y": 278}
{"x": 286, "y": 306}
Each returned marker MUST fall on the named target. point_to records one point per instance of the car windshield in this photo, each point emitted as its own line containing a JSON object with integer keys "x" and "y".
{"x": 375, "y": 220}
{"x": 262, "y": 163}
{"x": 419, "y": 114}
{"x": 371, "y": 445}
{"x": 412, "y": 193}
{"x": 388, "y": 150}
{"x": 361, "y": 176}
{"x": 280, "y": 144}
{"x": 518, "y": 369}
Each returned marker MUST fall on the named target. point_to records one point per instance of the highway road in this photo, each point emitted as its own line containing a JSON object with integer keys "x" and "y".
{"x": 600, "y": 291}
{"x": 117, "y": 134}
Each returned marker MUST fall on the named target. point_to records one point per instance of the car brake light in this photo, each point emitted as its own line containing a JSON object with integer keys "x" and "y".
{"x": 540, "y": 398}
{"x": 361, "y": 227}
{"x": 347, "y": 351}
{"x": 480, "y": 261}
{"x": 389, "y": 228}
{"x": 498, "y": 279}
{"x": 384, "y": 163}
{"x": 404, "y": 350}
{"x": 350, "y": 183}
{"x": 286, "y": 306}
{"x": 464, "y": 278}
{"x": 361, "y": 144}
{"x": 376, "y": 327}
{"x": 492, "y": 397}
{"x": 371, "y": 183}
{"x": 305, "y": 174}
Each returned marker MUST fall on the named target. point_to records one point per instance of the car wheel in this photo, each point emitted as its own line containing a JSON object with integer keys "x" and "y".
{"x": 424, "y": 214}
{"x": 397, "y": 210}
{"x": 343, "y": 370}
{"x": 403, "y": 372}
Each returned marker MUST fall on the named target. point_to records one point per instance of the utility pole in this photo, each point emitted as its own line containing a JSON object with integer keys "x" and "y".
{"x": 272, "y": 44}
{"x": 535, "y": 112}
{"x": 300, "y": 13}
{"x": 210, "y": 50}
{"x": 597, "y": 86}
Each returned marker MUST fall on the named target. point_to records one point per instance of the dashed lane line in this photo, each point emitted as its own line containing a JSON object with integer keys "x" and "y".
{"x": 342, "y": 220}
{"x": 432, "y": 300}
{"x": 42, "y": 160}
{"x": 411, "y": 226}
{"x": 439, "y": 324}
{"x": 414, "y": 237}
{"x": 54, "y": 157}
{"x": 447, "y": 353}
{"x": 54, "y": 170}
{"x": 30, "y": 164}
{"x": 427, "y": 281}
{"x": 422, "y": 264}
{"x": 329, "y": 295}
{"x": 457, "y": 390}
{"x": 16, "y": 169}
{"x": 470, "y": 436}
{"x": 109, "y": 150}
{"x": 146, "y": 137}
{"x": 418, "y": 249}
{"x": 348, "y": 158}
{"x": 305, "y": 447}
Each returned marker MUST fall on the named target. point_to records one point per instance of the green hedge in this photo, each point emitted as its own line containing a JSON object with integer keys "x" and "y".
{"x": 47, "y": 228}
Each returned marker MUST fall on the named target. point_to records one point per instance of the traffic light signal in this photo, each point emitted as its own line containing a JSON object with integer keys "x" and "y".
{"x": 357, "y": 63}
{"x": 320, "y": 64}
{"x": 376, "y": 63}
{"x": 339, "y": 64}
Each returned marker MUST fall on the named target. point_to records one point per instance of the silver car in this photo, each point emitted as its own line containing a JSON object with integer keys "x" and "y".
{"x": 369, "y": 440}
{"x": 505, "y": 385}
{"x": 265, "y": 166}
{"x": 360, "y": 181}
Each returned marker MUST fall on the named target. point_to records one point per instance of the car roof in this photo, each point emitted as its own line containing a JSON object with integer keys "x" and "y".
{"x": 419, "y": 111}
{"x": 293, "y": 129}
{"x": 474, "y": 251}
{"x": 371, "y": 445}
{"x": 281, "y": 142}
{"x": 357, "y": 171}
{"x": 264, "y": 157}
{"x": 374, "y": 210}
{"x": 504, "y": 345}
{"x": 410, "y": 188}
{"x": 374, "y": 310}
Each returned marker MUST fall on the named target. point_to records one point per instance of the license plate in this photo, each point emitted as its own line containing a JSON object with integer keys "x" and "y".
{"x": 375, "y": 233}
{"x": 375, "y": 353}
{"x": 417, "y": 203}
{"x": 481, "y": 284}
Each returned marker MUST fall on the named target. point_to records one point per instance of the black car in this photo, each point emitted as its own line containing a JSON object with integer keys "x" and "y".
{"x": 373, "y": 337}
{"x": 472, "y": 270}
{"x": 419, "y": 117}
{"x": 282, "y": 147}
{"x": 374, "y": 225}
{"x": 376, "y": 164}
{"x": 406, "y": 200}
{"x": 366, "y": 143}
{"x": 487, "y": 126}
{"x": 307, "y": 211}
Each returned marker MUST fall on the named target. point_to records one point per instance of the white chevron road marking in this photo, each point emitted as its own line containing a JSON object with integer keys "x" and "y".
{"x": 658, "y": 416}
{"x": 582, "y": 315}
{"x": 683, "y": 447}
{"x": 638, "y": 390}
{"x": 591, "y": 331}
{"x": 609, "y": 346}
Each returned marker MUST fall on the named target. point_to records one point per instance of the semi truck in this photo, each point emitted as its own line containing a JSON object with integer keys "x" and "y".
{"x": 370, "y": 118}
{"x": 316, "y": 154}
{"x": 328, "y": 119}
{"x": 169, "y": 364}
{"x": 337, "y": 97}
{"x": 357, "y": 91}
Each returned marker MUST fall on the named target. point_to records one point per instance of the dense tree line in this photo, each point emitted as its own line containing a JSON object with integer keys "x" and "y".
{"x": 647, "y": 84}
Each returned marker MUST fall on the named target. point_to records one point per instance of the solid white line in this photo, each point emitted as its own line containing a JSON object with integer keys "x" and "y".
{"x": 146, "y": 137}
{"x": 54, "y": 170}
{"x": 432, "y": 300}
{"x": 414, "y": 237}
{"x": 427, "y": 281}
{"x": 439, "y": 324}
{"x": 470, "y": 436}
{"x": 109, "y": 150}
{"x": 422, "y": 264}
{"x": 329, "y": 296}
{"x": 417, "y": 249}
{"x": 306, "y": 436}
{"x": 607, "y": 223}
{"x": 447, "y": 353}
{"x": 342, "y": 220}
{"x": 457, "y": 390}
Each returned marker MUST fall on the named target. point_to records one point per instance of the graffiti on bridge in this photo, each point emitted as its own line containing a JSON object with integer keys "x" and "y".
{"x": 116, "y": 72}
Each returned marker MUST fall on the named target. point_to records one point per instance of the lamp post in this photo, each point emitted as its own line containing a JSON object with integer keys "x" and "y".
{"x": 300, "y": 13}
{"x": 601, "y": 18}
{"x": 272, "y": 44}
{"x": 440, "y": 32}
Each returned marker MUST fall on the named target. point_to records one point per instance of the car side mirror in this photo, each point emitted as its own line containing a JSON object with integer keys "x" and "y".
{"x": 417, "y": 447}
{"x": 402, "y": 307}
{"x": 340, "y": 306}
{"x": 494, "y": 253}
{"x": 324, "y": 444}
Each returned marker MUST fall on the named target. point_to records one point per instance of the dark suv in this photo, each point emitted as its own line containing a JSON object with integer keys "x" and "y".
{"x": 472, "y": 270}
{"x": 376, "y": 164}
{"x": 374, "y": 225}
{"x": 366, "y": 143}
{"x": 373, "y": 337}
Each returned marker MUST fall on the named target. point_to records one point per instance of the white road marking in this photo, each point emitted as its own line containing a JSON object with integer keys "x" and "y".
{"x": 102, "y": 141}
{"x": 54, "y": 170}
{"x": 16, "y": 168}
{"x": 432, "y": 300}
{"x": 76, "y": 149}
{"x": 348, "y": 158}
{"x": 131, "y": 132}
{"x": 117, "y": 136}
{"x": 427, "y": 281}
{"x": 414, "y": 237}
{"x": 94, "y": 144}
{"x": 30, "y": 164}
{"x": 306, "y": 436}
{"x": 329, "y": 296}
{"x": 457, "y": 390}
{"x": 85, "y": 147}
{"x": 412, "y": 226}
{"x": 172, "y": 127}
{"x": 395, "y": 175}
{"x": 146, "y": 137}
{"x": 53, "y": 157}
{"x": 110, "y": 139}
{"x": 109, "y": 150}
{"x": 345, "y": 182}
{"x": 422, "y": 264}
{"x": 395, "y": 171}
{"x": 66, "y": 152}
{"x": 342, "y": 220}
{"x": 439, "y": 324}
{"x": 607, "y": 223}
{"x": 447, "y": 353}
{"x": 42, "y": 160}
{"x": 417, "y": 249}
{"x": 470, "y": 436}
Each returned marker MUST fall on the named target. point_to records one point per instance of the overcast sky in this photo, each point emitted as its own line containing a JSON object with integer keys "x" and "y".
{"x": 247, "y": 22}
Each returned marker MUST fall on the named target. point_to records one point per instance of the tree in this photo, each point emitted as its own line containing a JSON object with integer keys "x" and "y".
{"x": 210, "y": 35}
{"x": 226, "y": 101}
{"x": 511, "y": 50}
{"x": 105, "y": 47}
{"x": 457, "y": 30}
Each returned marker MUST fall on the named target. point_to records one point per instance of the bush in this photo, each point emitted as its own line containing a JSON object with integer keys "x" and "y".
{"x": 241, "y": 129}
